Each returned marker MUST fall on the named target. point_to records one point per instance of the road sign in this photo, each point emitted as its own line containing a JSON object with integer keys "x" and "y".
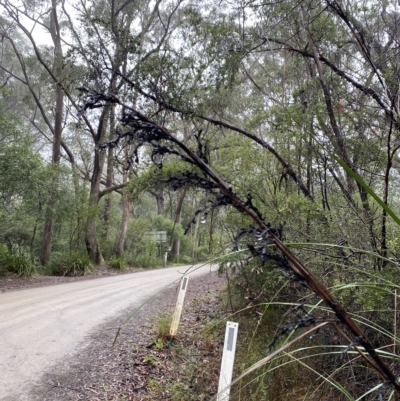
{"x": 157, "y": 236}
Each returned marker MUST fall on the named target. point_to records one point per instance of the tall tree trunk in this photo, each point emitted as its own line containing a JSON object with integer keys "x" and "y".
{"x": 176, "y": 244}
{"x": 92, "y": 245}
{"x": 160, "y": 202}
{"x": 110, "y": 174}
{"x": 309, "y": 183}
{"x": 159, "y": 195}
{"x": 126, "y": 209}
{"x": 47, "y": 238}
{"x": 390, "y": 153}
{"x": 77, "y": 237}
{"x": 57, "y": 131}
{"x": 195, "y": 239}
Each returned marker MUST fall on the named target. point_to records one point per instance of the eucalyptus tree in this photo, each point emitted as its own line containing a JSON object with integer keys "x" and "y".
{"x": 24, "y": 182}
{"x": 138, "y": 126}
{"x": 120, "y": 37}
{"x": 325, "y": 107}
{"x": 347, "y": 54}
{"x": 94, "y": 44}
{"x": 305, "y": 81}
{"x": 46, "y": 16}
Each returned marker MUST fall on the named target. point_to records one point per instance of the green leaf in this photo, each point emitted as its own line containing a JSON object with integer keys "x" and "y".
{"x": 369, "y": 190}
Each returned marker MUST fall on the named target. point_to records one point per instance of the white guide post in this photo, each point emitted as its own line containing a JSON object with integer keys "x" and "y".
{"x": 228, "y": 359}
{"x": 179, "y": 306}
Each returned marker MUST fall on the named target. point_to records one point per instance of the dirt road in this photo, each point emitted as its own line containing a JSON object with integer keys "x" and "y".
{"x": 39, "y": 326}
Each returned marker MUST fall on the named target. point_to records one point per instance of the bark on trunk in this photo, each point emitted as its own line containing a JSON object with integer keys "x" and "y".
{"x": 76, "y": 236}
{"x": 92, "y": 245}
{"x": 160, "y": 203}
{"x": 110, "y": 174}
{"x": 47, "y": 239}
{"x": 176, "y": 244}
{"x": 194, "y": 239}
{"x": 126, "y": 209}
{"x": 57, "y": 131}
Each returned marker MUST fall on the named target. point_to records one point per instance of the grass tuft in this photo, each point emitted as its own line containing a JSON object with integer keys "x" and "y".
{"x": 17, "y": 263}
{"x": 72, "y": 265}
{"x": 118, "y": 263}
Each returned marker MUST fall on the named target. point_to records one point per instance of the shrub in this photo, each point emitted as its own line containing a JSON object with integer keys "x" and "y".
{"x": 147, "y": 255}
{"x": 202, "y": 253}
{"x": 74, "y": 264}
{"x": 18, "y": 263}
{"x": 186, "y": 260}
{"x": 118, "y": 263}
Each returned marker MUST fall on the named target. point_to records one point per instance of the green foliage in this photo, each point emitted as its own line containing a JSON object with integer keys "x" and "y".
{"x": 219, "y": 64}
{"x": 74, "y": 264}
{"x": 174, "y": 231}
{"x": 369, "y": 190}
{"x": 186, "y": 260}
{"x": 108, "y": 233}
{"x": 139, "y": 251}
{"x": 17, "y": 262}
{"x": 21, "y": 170}
{"x": 163, "y": 325}
{"x": 155, "y": 177}
{"x": 28, "y": 189}
{"x": 146, "y": 255}
{"x": 23, "y": 179}
{"x": 262, "y": 299}
{"x": 118, "y": 263}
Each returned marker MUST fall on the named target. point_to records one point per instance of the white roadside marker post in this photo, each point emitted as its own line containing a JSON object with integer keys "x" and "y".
{"x": 179, "y": 306}
{"x": 228, "y": 359}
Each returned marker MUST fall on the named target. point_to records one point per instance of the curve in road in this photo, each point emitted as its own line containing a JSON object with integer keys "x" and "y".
{"x": 39, "y": 326}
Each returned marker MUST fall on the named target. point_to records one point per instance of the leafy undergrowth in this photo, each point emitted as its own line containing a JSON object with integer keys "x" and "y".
{"x": 187, "y": 367}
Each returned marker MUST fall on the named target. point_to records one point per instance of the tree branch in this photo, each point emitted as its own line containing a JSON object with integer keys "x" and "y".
{"x": 287, "y": 166}
{"x": 113, "y": 188}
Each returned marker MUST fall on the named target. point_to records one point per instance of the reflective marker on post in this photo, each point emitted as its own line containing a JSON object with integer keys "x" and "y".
{"x": 228, "y": 358}
{"x": 179, "y": 306}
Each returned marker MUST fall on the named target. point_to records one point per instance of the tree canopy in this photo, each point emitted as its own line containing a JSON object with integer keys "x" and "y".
{"x": 270, "y": 128}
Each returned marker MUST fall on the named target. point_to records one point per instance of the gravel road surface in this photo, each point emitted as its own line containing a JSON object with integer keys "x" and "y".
{"x": 40, "y": 326}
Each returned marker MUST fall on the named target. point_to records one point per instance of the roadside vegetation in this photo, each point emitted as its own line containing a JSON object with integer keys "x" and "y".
{"x": 261, "y": 136}
{"x": 325, "y": 363}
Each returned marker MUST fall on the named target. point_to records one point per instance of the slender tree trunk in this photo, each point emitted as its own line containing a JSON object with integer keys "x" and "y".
{"x": 50, "y": 214}
{"x": 57, "y": 131}
{"x": 126, "y": 209}
{"x": 47, "y": 238}
{"x": 176, "y": 244}
{"x": 80, "y": 200}
{"x": 160, "y": 203}
{"x": 92, "y": 245}
{"x": 159, "y": 195}
{"x": 337, "y": 140}
{"x": 110, "y": 175}
{"x": 390, "y": 154}
{"x": 195, "y": 234}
